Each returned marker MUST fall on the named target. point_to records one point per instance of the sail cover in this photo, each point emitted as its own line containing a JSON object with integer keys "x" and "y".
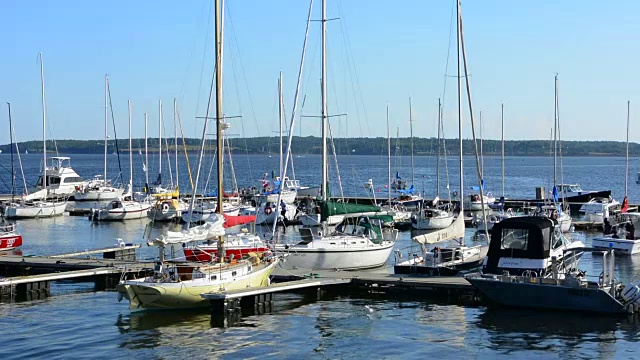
{"x": 454, "y": 231}
{"x": 330, "y": 208}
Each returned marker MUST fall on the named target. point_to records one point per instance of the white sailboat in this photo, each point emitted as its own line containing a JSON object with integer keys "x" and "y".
{"x": 352, "y": 246}
{"x": 125, "y": 208}
{"x": 447, "y": 260}
{"x": 173, "y": 286}
{"x": 37, "y": 206}
{"x": 100, "y": 189}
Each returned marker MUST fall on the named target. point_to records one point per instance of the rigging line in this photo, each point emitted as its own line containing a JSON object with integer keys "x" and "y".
{"x": 166, "y": 146}
{"x": 202, "y": 67}
{"x": 115, "y": 135}
{"x": 233, "y": 171}
{"x": 24, "y": 182}
{"x": 184, "y": 147}
{"x": 335, "y": 159}
{"x": 193, "y": 48}
{"x": 244, "y": 75}
{"x": 345, "y": 34}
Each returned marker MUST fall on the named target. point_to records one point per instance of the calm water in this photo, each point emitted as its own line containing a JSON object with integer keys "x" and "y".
{"x": 78, "y": 322}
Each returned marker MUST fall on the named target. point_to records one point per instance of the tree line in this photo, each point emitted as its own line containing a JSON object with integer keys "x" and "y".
{"x": 353, "y": 146}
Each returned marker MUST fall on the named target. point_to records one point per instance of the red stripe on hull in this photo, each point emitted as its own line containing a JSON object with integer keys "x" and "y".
{"x": 10, "y": 242}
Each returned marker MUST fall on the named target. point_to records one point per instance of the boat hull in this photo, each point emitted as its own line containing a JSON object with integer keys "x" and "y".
{"x": 619, "y": 246}
{"x": 10, "y": 242}
{"x": 547, "y": 297}
{"x": 138, "y": 212}
{"x": 576, "y": 201}
{"x": 435, "y": 223}
{"x": 339, "y": 258}
{"x": 98, "y": 195}
{"x": 144, "y": 295}
{"x": 35, "y": 211}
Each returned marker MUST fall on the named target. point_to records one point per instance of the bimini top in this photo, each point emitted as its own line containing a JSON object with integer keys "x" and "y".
{"x": 527, "y": 237}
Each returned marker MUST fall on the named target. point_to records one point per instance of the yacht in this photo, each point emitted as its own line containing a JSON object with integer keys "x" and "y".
{"x": 97, "y": 189}
{"x": 597, "y": 209}
{"x": 62, "y": 180}
{"x": 575, "y": 196}
{"x": 623, "y": 236}
{"x": 528, "y": 243}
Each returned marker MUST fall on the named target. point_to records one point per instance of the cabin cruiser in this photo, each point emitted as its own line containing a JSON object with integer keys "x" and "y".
{"x": 575, "y": 196}
{"x": 473, "y": 203}
{"x": 97, "y": 190}
{"x": 301, "y": 191}
{"x": 622, "y": 234}
{"x": 62, "y": 180}
{"x": 597, "y": 209}
{"x": 528, "y": 243}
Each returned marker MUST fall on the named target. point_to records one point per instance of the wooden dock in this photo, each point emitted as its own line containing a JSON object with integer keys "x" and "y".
{"x": 228, "y": 307}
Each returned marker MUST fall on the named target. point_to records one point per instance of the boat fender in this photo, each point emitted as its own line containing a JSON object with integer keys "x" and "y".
{"x": 267, "y": 210}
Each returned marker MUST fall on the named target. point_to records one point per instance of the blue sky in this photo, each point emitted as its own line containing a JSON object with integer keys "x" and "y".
{"x": 379, "y": 53}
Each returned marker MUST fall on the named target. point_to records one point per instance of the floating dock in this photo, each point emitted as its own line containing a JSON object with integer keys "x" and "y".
{"x": 228, "y": 307}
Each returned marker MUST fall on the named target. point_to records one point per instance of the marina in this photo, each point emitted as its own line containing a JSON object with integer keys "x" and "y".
{"x": 176, "y": 184}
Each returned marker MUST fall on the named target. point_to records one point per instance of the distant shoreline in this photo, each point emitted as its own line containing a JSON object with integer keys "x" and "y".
{"x": 311, "y": 145}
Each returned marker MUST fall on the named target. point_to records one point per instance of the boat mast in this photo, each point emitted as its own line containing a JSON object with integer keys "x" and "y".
{"x": 461, "y": 197}
{"x": 146, "y": 154}
{"x": 12, "y": 169}
{"x": 324, "y": 101}
{"x": 555, "y": 133}
{"x": 280, "y": 114}
{"x": 626, "y": 172}
{"x": 411, "y": 134}
{"x": 106, "y": 124}
{"x": 175, "y": 137}
{"x": 130, "y": 153}
{"x": 481, "y": 154}
{"x": 438, "y": 159}
{"x": 159, "y": 142}
{"x": 502, "y": 141}
{"x": 389, "y": 156}
{"x": 44, "y": 128}
{"x": 219, "y": 139}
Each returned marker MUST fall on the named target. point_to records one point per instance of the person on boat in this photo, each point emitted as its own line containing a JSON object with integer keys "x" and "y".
{"x": 607, "y": 226}
{"x": 630, "y": 230}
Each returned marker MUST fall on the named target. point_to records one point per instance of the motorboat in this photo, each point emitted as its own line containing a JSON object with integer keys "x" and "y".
{"x": 597, "y": 209}
{"x": 473, "y": 203}
{"x": 432, "y": 219}
{"x": 120, "y": 209}
{"x": 62, "y": 180}
{"x": 623, "y": 236}
{"x": 97, "y": 189}
{"x": 205, "y": 209}
{"x": 439, "y": 259}
{"x": 9, "y": 236}
{"x": 575, "y": 196}
{"x": 492, "y": 219}
{"x": 357, "y": 243}
{"x": 528, "y": 243}
{"x": 556, "y": 213}
{"x": 301, "y": 191}
{"x": 270, "y": 212}
{"x": 570, "y": 290}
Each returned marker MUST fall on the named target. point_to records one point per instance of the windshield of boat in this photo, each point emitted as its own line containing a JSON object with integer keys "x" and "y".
{"x": 516, "y": 239}
{"x": 558, "y": 238}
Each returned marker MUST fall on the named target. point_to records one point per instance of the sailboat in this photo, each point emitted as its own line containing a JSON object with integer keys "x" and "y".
{"x": 100, "y": 189}
{"x": 357, "y": 243}
{"x": 437, "y": 216}
{"x": 36, "y": 204}
{"x": 124, "y": 208}
{"x": 174, "y": 286}
{"x": 9, "y": 237}
{"x": 447, "y": 260}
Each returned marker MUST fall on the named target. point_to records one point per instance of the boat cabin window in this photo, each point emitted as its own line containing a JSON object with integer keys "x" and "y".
{"x": 73, "y": 179}
{"x": 214, "y": 277}
{"x": 515, "y": 239}
{"x": 233, "y": 273}
{"x": 54, "y": 180}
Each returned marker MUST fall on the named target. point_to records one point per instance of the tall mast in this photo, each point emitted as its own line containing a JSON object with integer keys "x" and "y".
{"x": 280, "y": 114}
{"x": 130, "y": 153}
{"x": 389, "y": 156}
{"x": 324, "y": 100}
{"x": 13, "y": 177}
{"x": 411, "y": 134}
{"x": 175, "y": 136}
{"x": 626, "y": 173}
{"x": 481, "y": 153}
{"x": 219, "y": 139}
{"x": 438, "y": 159}
{"x": 159, "y": 142}
{"x": 460, "y": 109}
{"x": 555, "y": 133}
{"x": 146, "y": 153}
{"x": 44, "y": 127}
{"x": 502, "y": 141}
{"x": 106, "y": 123}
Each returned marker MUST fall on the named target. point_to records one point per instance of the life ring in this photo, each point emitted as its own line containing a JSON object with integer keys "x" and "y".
{"x": 165, "y": 207}
{"x": 267, "y": 210}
